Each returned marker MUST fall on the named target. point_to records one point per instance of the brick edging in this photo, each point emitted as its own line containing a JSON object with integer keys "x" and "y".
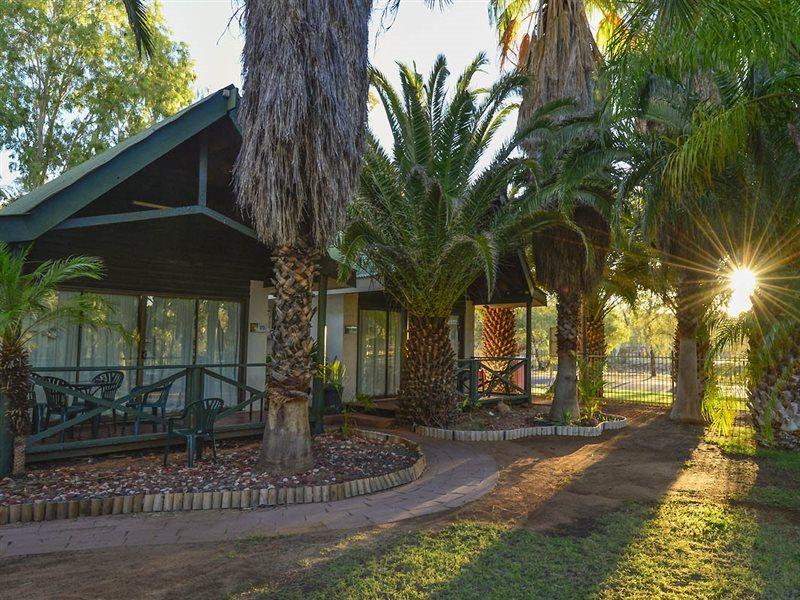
{"x": 463, "y": 435}
{"x": 45, "y": 510}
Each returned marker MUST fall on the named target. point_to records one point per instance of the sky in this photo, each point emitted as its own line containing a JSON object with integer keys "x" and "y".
{"x": 417, "y": 35}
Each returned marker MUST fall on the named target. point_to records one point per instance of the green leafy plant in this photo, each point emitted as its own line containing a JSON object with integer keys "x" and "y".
{"x": 29, "y": 304}
{"x": 359, "y": 401}
{"x": 333, "y": 373}
{"x": 590, "y": 386}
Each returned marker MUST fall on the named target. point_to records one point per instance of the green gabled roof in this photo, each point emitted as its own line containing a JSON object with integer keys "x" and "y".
{"x": 33, "y": 214}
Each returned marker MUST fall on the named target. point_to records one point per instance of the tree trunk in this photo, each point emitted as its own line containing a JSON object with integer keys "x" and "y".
{"x": 565, "y": 394}
{"x": 427, "y": 394}
{"x": 774, "y": 400}
{"x": 19, "y": 456}
{"x": 596, "y": 349}
{"x": 286, "y": 447}
{"x": 686, "y": 406}
{"x": 499, "y": 336}
{"x": 15, "y": 378}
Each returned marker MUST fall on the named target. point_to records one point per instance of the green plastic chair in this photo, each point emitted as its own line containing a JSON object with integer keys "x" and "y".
{"x": 195, "y": 424}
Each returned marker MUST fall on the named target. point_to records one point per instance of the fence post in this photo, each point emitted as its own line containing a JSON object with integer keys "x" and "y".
{"x": 528, "y": 343}
{"x": 473, "y": 380}
{"x": 6, "y": 443}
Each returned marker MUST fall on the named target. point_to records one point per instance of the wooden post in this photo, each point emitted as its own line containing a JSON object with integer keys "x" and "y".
{"x": 202, "y": 170}
{"x": 6, "y": 441}
{"x": 528, "y": 343}
{"x": 318, "y": 388}
{"x": 473, "y": 380}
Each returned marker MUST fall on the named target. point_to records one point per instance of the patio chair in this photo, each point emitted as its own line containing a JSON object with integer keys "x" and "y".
{"x": 154, "y": 399}
{"x": 58, "y": 403}
{"x": 110, "y": 382}
{"x": 195, "y": 424}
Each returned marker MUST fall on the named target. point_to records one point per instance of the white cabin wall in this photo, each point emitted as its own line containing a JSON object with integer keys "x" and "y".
{"x": 258, "y": 314}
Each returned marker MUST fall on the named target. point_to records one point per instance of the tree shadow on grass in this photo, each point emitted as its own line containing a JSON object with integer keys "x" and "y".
{"x": 636, "y": 520}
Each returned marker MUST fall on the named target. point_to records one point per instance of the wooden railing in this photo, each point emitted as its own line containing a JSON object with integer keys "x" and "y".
{"x": 48, "y": 438}
{"x": 493, "y": 378}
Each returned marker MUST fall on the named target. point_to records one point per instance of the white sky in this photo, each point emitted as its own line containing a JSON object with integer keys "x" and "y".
{"x": 417, "y": 34}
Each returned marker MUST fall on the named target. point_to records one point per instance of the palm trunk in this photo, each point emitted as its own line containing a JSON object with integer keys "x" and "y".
{"x": 18, "y": 468}
{"x": 427, "y": 394}
{"x": 774, "y": 400}
{"x": 596, "y": 349}
{"x": 565, "y": 395}
{"x": 286, "y": 447}
{"x": 686, "y": 407}
{"x": 499, "y": 339}
{"x": 15, "y": 377}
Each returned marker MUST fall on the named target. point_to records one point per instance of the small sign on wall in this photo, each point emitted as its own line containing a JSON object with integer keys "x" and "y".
{"x": 258, "y": 328}
{"x": 351, "y": 329}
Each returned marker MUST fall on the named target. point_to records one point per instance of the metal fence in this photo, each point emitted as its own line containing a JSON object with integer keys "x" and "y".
{"x": 648, "y": 379}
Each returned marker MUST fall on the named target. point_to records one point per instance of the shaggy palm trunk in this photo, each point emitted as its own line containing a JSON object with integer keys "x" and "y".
{"x": 499, "y": 336}
{"x": 595, "y": 348}
{"x": 427, "y": 394}
{"x": 774, "y": 400}
{"x": 286, "y": 447}
{"x": 15, "y": 376}
{"x": 686, "y": 406}
{"x": 565, "y": 393}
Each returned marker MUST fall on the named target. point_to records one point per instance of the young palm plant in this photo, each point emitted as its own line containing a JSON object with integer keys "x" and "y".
{"x": 29, "y": 304}
{"x": 428, "y": 220}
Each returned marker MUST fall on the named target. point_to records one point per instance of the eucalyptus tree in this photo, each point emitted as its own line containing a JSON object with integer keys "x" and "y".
{"x": 428, "y": 220}
{"x": 29, "y": 304}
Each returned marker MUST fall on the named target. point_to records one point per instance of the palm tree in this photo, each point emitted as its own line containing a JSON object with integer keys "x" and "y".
{"x": 29, "y": 304}
{"x": 569, "y": 259}
{"x": 139, "y": 22}
{"x": 302, "y": 117}
{"x": 428, "y": 221}
{"x": 628, "y": 269}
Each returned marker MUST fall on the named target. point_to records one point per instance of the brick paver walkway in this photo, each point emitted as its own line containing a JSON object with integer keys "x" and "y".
{"x": 457, "y": 473}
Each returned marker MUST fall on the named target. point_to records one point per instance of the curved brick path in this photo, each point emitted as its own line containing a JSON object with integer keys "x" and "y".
{"x": 457, "y": 473}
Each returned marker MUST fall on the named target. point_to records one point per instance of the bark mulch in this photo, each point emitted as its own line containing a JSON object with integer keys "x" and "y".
{"x": 516, "y": 417}
{"x": 336, "y": 459}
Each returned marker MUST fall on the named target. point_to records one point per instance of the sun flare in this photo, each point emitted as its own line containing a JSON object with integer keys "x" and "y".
{"x": 743, "y": 283}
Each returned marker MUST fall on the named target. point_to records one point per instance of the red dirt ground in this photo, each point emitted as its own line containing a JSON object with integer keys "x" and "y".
{"x": 545, "y": 483}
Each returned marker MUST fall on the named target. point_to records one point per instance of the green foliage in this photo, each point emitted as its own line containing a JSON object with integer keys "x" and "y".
{"x": 590, "y": 386}
{"x": 426, "y": 220}
{"x": 359, "y": 402}
{"x": 72, "y": 83}
{"x": 29, "y": 302}
{"x": 334, "y": 373}
{"x": 678, "y": 549}
{"x": 719, "y": 410}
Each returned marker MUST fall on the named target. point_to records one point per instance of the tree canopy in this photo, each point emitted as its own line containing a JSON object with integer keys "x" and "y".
{"x": 72, "y": 82}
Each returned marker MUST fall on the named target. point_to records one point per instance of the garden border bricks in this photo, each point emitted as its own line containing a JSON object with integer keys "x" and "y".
{"x": 41, "y": 510}
{"x": 464, "y": 435}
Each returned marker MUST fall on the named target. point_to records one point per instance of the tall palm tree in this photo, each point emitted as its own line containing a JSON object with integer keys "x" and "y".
{"x": 139, "y": 22}
{"x": 428, "y": 220}
{"x": 29, "y": 304}
{"x": 303, "y": 117}
{"x": 628, "y": 269}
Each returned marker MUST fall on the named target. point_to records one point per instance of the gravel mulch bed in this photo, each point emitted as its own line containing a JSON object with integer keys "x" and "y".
{"x": 517, "y": 417}
{"x": 337, "y": 460}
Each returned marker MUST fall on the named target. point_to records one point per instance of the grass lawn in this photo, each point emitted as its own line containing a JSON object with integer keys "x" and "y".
{"x": 686, "y": 547}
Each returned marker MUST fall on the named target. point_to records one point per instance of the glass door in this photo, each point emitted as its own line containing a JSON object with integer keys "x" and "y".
{"x": 168, "y": 340}
{"x": 379, "y": 347}
{"x": 218, "y": 342}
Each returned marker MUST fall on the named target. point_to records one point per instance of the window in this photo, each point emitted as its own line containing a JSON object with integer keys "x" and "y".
{"x": 174, "y": 331}
{"x": 379, "y": 348}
